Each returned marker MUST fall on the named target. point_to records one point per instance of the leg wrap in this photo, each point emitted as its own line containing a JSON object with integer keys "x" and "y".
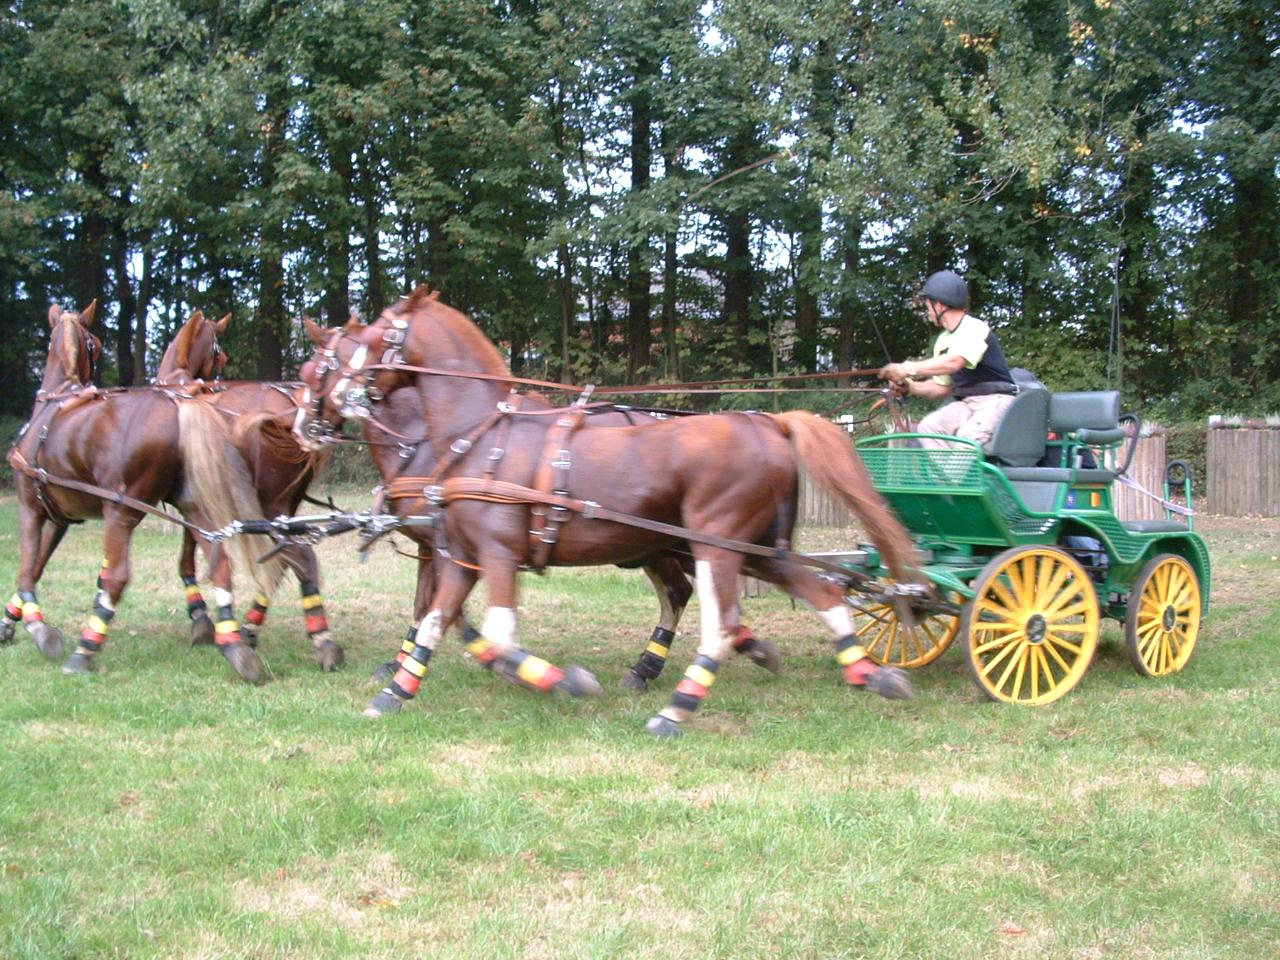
{"x": 257, "y": 614}
{"x": 486, "y": 653}
{"x": 654, "y": 657}
{"x": 746, "y": 641}
{"x": 13, "y": 609}
{"x": 95, "y": 632}
{"x": 28, "y": 606}
{"x": 413, "y": 670}
{"x": 853, "y": 659}
{"x": 692, "y": 690}
{"x": 410, "y": 641}
{"x": 313, "y": 606}
{"x": 226, "y": 629}
{"x": 196, "y": 606}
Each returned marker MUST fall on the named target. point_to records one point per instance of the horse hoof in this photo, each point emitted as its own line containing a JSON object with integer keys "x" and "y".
{"x": 244, "y": 661}
{"x": 48, "y": 639}
{"x": 330, "y": 656}
{"x": 385, "y": 672}
{"x": 79, "y": 664}
{"x": 891, "y": 683}
{"x": 383, "y": 704}
{"x": 633, "y": 681}
{"x": 579, "y": 682}
{"x": 765, "y": 654}
{"x": 663, "y": 728}
{"x": 249, "y": 633}
{"x": 202, "y": 632}
{"x": 7, "y": 631}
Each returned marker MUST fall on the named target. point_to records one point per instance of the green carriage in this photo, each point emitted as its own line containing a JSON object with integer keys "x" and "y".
{"x": 1032, "y": 557}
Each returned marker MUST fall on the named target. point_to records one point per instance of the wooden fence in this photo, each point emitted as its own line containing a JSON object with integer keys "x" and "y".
{"x": 1243, "y": 469}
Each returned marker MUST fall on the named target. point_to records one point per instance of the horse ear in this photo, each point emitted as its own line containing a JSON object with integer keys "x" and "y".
{"x": 314, "y": 331}
{"x": 354, "y": 323}
{"x": 221, "y": 325}
{"x": 421, "y": 294}
{"x": 196, "y": 318}
{"x": 434, "y": 295}
{"x": 86, "y": 315}
{"x": 55, "y": 314}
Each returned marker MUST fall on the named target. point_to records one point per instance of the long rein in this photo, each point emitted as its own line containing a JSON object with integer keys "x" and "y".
{"x": 490, "y": 490}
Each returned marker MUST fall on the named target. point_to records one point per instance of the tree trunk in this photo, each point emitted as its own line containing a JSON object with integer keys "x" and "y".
{"x": 337, "y": 237}
{"x": 639, "y": 298}
{"x": 271, "y": 319}
{"x": 127, "y": 303}
{"x": 375, "y": 298}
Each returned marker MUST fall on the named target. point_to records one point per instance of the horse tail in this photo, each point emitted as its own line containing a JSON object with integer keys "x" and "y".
{"x": 250, "y": 432}
{"x": 218, "y": 481}
{"x": 826, "y": 453}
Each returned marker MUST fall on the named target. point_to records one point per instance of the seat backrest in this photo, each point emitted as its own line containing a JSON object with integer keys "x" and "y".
{"x": 1092, "y": 417}
{"x": 1019, "y": 437}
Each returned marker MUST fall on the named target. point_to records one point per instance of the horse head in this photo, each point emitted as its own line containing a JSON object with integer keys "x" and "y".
{"x": 195, "y": 353}
{"x": 73, "y": 349}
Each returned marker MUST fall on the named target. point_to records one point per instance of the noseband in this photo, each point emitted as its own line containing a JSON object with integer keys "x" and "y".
{"x": 351, "y": 394}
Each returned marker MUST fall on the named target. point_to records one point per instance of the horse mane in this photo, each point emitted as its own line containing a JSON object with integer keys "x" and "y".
{"x": 426, "y": 303}
{"x": 71, "y": 345}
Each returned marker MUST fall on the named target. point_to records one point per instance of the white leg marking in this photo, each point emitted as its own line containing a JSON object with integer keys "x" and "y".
{"x": 714, "y": 642}
{"x": 429, "y": 630}
{"x": 500, "y": 627}
{"x": 223, "y": 598}
{"x": 838, "y": 620}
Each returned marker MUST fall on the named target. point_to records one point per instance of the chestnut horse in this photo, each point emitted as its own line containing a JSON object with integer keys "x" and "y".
{"x": 404, "y": 456}
{"x": 115, "y": 454}
{"x": 718, "y": 481}
{"x": 279, "y": 469}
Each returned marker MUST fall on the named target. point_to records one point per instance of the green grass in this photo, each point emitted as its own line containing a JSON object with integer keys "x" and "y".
{"x": 165, "y": 809}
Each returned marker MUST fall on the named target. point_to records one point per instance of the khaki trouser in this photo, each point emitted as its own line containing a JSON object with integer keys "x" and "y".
{"x": 974, "y": 418}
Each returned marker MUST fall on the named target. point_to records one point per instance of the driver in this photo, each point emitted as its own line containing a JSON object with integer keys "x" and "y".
{"x": 967, "y": 366}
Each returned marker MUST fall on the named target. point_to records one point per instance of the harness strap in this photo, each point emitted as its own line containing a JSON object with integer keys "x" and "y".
{"x": 552, "y": 476}
{"x": 500, "y": 491}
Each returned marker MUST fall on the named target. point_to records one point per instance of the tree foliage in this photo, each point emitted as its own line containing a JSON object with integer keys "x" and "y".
{"x": 656, "y": 190}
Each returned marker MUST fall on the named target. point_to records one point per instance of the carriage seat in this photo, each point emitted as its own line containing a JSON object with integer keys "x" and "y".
{"x": 1088, "y": 418}
{"x": 1019, "y": 437}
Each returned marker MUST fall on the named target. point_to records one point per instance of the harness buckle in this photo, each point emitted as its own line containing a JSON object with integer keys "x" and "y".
{"x": 460, "y": 446}
{"x": 394, "y": 337}
{"x": 586, "y": 395}
{"x": 589, "y": 508}
{"x": 434, "y": 494}
{"x": 497, "y": 453}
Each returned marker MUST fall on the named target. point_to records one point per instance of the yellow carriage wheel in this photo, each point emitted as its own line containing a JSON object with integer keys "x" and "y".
{"x": 891, "y": 642}
{"x": 1163, "y": 622}
{"x": 1031, "y": 628}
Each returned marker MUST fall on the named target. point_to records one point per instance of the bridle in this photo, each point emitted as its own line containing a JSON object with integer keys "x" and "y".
{"x": 351, "y": 393}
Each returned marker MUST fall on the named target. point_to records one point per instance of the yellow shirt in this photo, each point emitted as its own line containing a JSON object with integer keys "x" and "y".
{"x": 968, "y": 339}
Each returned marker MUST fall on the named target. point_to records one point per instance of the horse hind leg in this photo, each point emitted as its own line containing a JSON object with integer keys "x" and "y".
{"x": 113, "y": 578}
{"x": 827, "y": 599}
{"x": 197, "y": 609}
{"x": 227, "y": 637}
{"x": 302, "y": 559}
{"x": 716, "y": 574}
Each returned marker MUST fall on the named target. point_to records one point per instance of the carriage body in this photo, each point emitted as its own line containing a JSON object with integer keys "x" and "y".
{"x": 1034, "y": 555}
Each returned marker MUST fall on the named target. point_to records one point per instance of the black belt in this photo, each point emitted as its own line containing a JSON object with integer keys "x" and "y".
{"x": 987, "y": 388}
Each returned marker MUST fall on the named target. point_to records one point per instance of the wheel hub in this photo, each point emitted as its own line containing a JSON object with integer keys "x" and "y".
{"x": 1169, "y": 619}
{"x": 1036, "y": 629}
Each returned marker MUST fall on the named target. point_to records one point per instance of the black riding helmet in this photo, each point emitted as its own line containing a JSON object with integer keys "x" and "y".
{"x": 947, "y": 287}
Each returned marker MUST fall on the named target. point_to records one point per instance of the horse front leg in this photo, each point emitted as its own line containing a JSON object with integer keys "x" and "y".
{"x": 716, "y": 575}
{"x": 497, "y": 649}
{"x": 35, "y": 549}
{"x": 446, "y": 593}
{"x": 423, "y": 593}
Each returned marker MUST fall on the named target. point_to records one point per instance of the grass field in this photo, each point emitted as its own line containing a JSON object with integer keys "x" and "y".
{"x": 165, "y": 809}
